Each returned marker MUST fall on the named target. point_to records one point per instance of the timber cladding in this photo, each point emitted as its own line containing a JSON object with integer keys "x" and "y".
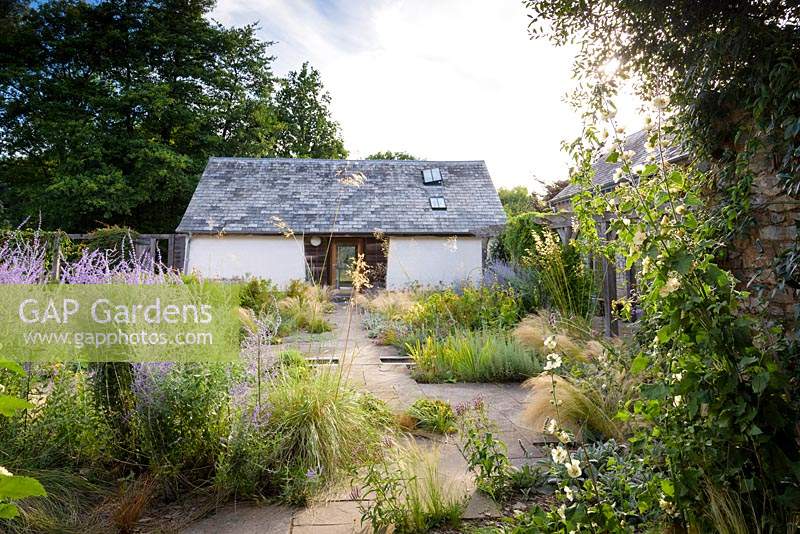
{"x": 320, "y": 259}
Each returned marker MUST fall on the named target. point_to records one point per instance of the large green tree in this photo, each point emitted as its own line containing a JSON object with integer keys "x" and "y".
{"x": 551, "y": 189}
{"x": 518, "y": 200}
{"x": 307, "y": 127}
{"x": 109, "y": 110}
{"x": 390, "y": 155}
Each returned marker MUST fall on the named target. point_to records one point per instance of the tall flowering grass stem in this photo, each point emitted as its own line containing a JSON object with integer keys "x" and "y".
{"x": 344, "y": 350}
{"x": 258, "y": 374}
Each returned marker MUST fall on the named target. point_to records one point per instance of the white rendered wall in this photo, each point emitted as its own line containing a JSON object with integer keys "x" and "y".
{"x": 278, "y": 258}
{"x": 433, "y": 261}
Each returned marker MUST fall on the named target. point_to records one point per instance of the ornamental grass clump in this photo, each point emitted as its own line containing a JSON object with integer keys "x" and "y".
{"x": 586, "y": 407}
{"x": 392, "y": 305}
{"x": 309, "y": 430}
{"x": 572, "y": 339}
{"x": 404, "y": 491}
{"x": 321, "y": 427}
{"x": 583, "y": 411}
{"x": 434, "y": 415}
{"x": 466, "y": 356}
{"x": 311, "y": 292}
{"x": 301, "y": 307}
{"x": 724, "y": 510}
{"x": 306, "y": 312}
{"x": 73, "y": 504}
{"x": 533, "y": 330}
{"x": 568, "y": 286}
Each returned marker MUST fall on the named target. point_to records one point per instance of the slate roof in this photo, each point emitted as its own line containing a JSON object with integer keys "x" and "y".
{"x": 244, "y": 195}
{"x": 604, "y": 172}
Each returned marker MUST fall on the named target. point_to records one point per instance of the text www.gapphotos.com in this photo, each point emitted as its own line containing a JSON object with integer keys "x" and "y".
{"x": 107, "y": 339}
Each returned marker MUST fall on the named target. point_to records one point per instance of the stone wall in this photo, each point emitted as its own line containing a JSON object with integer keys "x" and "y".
{"x": 752, "y": 257}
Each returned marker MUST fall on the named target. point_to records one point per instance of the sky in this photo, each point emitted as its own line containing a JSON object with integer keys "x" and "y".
{"x": 441, "y": 79}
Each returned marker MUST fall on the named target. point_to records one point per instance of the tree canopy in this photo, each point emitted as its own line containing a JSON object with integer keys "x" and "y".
{"x": 551, "y": 189}
{"x": 109, "y": 110}
{"x": 518, "y": 200}
{"x": 389, "y": 155}
{"x": 307, "y": 128}
{"x": 730, "y": 70}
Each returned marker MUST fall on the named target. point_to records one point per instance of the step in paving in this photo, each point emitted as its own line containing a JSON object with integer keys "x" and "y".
{"x": 321, "y": 360}
{"x": 397, "y": 360}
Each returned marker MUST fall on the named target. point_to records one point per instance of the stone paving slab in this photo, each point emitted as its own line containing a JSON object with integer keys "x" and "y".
{"x": 481, "y": 507}
{"x": 537, "y": 456}
{"x": 345, "y": 513}
{"x": 245, "y": 519}
{"x": 329, "y": 529}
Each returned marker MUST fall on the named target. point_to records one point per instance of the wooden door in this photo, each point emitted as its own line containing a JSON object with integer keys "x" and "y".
{"x": 343, "y": 252}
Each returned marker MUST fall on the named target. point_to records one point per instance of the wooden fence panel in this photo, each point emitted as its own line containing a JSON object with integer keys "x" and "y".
{"x": 149, "y": 244}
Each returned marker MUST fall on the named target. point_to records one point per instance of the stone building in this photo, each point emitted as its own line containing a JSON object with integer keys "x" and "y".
{"x": 751, "y": 257}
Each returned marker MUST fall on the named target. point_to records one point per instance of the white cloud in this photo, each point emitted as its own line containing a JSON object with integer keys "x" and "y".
{"x": 450, "y": 79}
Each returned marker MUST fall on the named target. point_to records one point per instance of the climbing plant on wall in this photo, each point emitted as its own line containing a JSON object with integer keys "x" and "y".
{"x": 721, "y": 78}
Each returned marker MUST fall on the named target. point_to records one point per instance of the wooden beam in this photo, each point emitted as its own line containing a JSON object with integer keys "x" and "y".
{"x": 55, "y": 267}
{"x": 82, "y": 237}
{"x": 609, "y": 289}
{"x": 171, "y": 251}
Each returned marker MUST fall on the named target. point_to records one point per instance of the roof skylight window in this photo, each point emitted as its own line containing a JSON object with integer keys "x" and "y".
{"x": 438, "y": 203}
{"x": 431, "y": 176}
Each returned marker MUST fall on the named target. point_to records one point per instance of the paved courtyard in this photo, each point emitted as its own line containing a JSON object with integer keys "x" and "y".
{"x": 349, "y": 345}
